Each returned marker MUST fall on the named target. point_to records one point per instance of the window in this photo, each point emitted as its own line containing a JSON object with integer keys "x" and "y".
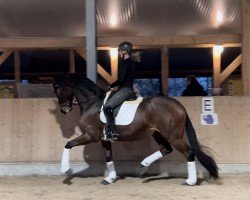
{"x": 177, "y": 85}
{"x": 147, "y": 87}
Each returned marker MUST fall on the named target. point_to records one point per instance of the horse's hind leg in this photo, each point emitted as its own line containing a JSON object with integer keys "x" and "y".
{"x": 183, "y": 147}
{"x": 165, "y": 146}
{"x": 110, "y": 173}
{"x": 164, "y": 150}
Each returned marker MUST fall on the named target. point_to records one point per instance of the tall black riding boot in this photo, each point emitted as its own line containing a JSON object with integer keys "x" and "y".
{"x": 110, "y": 125}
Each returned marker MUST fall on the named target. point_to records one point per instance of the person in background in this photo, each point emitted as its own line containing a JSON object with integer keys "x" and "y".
{"x": 193, "y": 87}
{"x": 122, "y": 88}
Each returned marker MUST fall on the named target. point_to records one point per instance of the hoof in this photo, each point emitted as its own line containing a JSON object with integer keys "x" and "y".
{"x": 69, "y": 172}
{"x": 142, "y": 170}
{"x": 185, "y": 184}
{"x": 190, "y": 182}
{"x": 104, "y": 182}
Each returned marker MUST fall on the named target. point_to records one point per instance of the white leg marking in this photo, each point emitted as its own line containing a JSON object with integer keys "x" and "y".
{"x": 150, "y": 159}
{"x": 192, "y": 175}
{"x": 65, "y": 161}
{"x": 110, "y": 173}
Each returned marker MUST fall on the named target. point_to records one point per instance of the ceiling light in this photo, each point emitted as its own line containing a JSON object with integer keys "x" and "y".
{"x": 113, "y": 20}
{"x": 219, "y": 17}
{"x": 113, "y": 53}
{"x": 218, "y": 49}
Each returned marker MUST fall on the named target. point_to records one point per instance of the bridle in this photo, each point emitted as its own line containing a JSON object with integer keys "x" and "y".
{"x": 66, "y": 104}
{"x": 69, "y": 103}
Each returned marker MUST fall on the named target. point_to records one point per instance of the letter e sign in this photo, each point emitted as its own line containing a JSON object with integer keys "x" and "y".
{"x": 208, "y": 105}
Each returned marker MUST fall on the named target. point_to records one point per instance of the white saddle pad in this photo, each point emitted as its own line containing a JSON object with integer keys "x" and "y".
{"x": 126, "y": 113}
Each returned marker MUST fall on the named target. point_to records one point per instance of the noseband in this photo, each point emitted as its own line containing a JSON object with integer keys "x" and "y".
{"x": 66, "y": 104}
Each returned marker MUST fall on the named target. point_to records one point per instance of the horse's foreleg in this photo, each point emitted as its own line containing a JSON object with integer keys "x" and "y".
{"x": 110, "y": 173}
{"x": 165, "y": 149}
{"x": 81, "y": 140}
{"x": 65, "y": 161}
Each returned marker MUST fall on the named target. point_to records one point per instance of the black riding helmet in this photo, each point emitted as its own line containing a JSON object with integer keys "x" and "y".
{"x": 125, "y": 46}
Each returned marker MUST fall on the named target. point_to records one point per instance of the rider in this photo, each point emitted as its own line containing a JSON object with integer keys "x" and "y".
{"x": 122, "y": 88}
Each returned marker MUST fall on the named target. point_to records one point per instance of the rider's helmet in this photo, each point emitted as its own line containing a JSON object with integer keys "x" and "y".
{"x": 125, "y": 46}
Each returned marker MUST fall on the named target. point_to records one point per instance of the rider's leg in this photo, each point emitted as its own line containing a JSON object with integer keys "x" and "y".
{"x": 110, "y": 132}
{"x": 115, "y": 100}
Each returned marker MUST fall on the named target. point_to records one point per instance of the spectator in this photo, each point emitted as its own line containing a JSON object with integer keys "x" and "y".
{"x": 193, "y": 87}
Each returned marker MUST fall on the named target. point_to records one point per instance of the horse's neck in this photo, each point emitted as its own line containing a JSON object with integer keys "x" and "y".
{"x": 87, "y": 102}
{"x": 90, "y": 107}
{"x": 89, "y": 119}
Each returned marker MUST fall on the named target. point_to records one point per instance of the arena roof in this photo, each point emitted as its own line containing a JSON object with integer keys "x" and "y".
{"x": 64, "y": 18}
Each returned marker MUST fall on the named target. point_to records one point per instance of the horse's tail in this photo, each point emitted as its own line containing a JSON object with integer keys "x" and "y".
{"x": 206, "y": 161}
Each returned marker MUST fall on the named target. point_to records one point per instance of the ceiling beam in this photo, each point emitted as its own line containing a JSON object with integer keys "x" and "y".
{"x": 107, "y": 42}
{"x": 177, "y": 46}
{"x": 42, "y": 42}
{"x": 229, "y": 70}
{"x": 172, "y": 41}
{"x": 5, "y": 55}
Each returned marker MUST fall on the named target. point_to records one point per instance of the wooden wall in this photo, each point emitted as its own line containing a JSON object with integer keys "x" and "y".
{"x": 34, "y": 131}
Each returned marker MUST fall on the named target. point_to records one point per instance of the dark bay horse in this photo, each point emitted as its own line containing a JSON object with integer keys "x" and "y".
{"x": 162, "y": 117}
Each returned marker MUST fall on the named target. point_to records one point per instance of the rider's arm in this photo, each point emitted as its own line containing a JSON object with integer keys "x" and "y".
{"x": 123, "y": 72}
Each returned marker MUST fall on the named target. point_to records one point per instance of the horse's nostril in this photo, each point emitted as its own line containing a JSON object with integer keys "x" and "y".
{"x": 66, "y": 110}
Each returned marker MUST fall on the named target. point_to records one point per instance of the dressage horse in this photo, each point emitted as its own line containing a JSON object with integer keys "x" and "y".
{"x": 162, "y": 117}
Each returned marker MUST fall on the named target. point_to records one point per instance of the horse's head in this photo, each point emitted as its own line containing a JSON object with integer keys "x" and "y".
{"x": 65, "y": 97}
{"x": 68, "y": 86}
